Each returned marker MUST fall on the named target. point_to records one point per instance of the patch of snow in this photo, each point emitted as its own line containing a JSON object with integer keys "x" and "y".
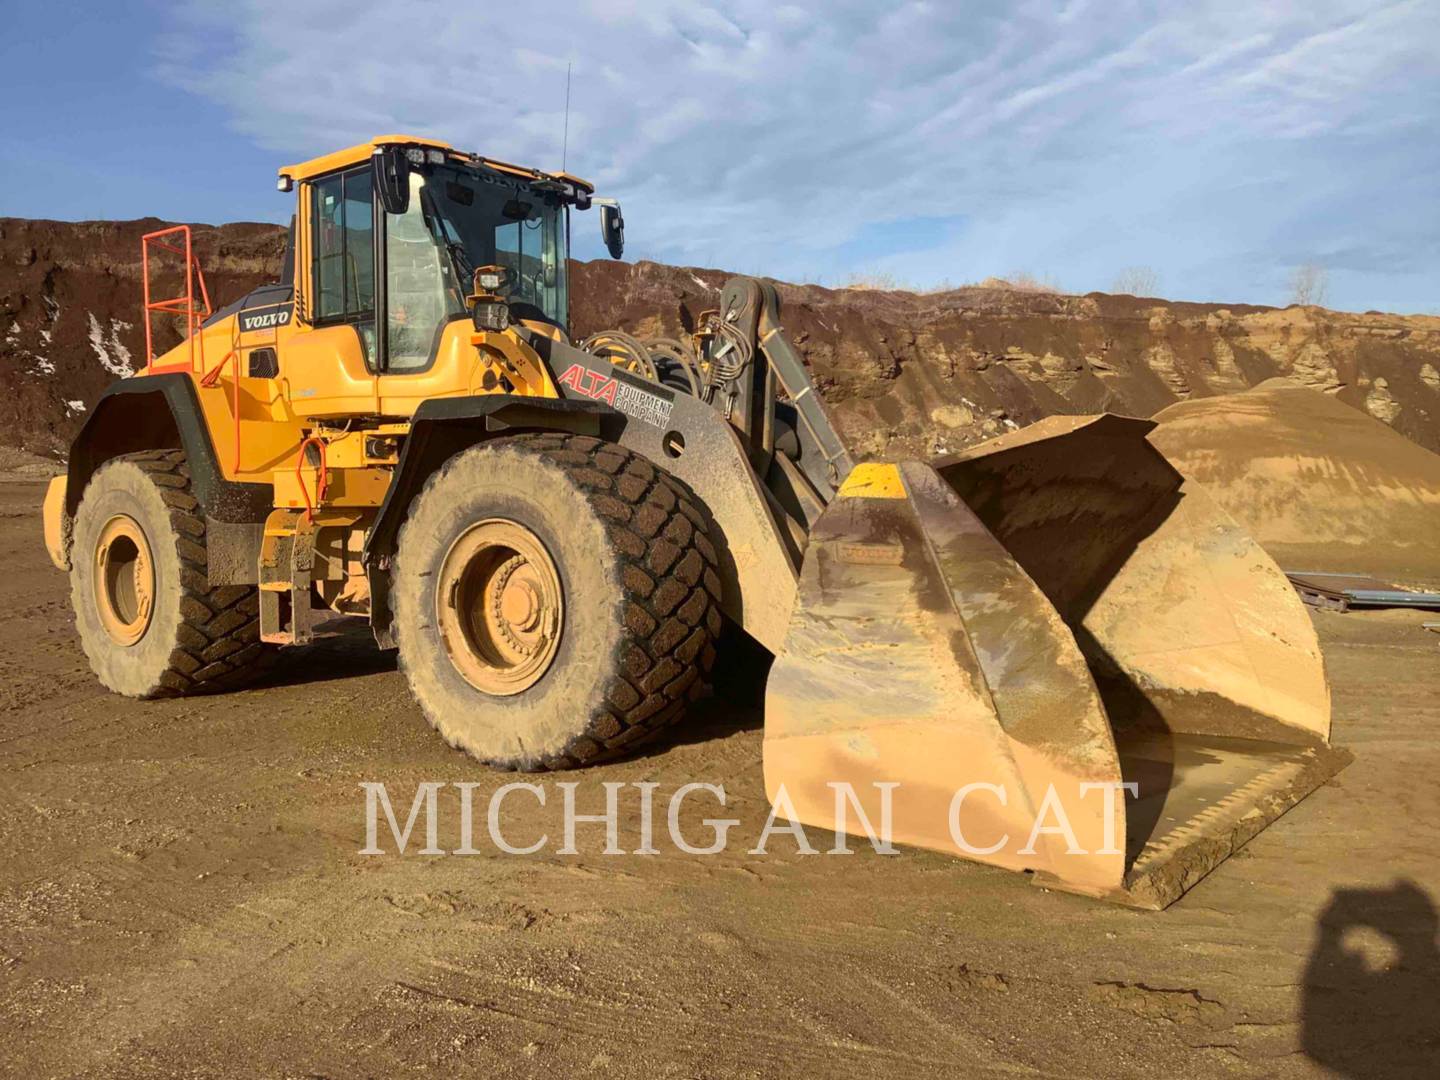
{"x": 46, "y": 335}
{"x": 33, "y": 363}
{"x": 698, "y": 280}
{"x": 116, "y": 363}
{"x": 52, "y": 307}
{"x": 120, "y": 350}
{"x": 14, "y": 330}
{"x": 73, "y": 407}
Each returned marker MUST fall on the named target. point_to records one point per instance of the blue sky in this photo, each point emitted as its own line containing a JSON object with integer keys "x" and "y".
{"x": 1220, "y": 144}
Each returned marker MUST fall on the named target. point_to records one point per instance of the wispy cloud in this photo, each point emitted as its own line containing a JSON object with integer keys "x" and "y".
{"x": 1070, "y": 138}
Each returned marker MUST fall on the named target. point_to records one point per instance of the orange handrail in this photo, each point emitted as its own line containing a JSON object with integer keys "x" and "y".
{"x": 178, "y": 305}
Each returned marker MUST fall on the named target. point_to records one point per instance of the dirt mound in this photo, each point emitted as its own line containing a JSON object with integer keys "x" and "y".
{"x": 1320, "y": 485}
{"x": 906, "y": 374}
{"x": 70, "y": 296}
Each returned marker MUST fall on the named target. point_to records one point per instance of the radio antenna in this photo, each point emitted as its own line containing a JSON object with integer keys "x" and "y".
{"x": 565, "y": 141}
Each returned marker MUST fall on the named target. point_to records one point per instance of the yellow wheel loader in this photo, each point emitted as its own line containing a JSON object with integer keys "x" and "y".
{"x": 1049, "y": 653}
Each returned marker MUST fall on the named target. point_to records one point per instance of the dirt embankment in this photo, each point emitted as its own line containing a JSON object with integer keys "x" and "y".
{"x": 920, "y": 374}
{"x": 906, "y": 374}
{"x": 70, "y": 312}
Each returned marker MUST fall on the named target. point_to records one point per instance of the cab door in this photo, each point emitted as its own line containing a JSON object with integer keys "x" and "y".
{"x": 327, "y": 364}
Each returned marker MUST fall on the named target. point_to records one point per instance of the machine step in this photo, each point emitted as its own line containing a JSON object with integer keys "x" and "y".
{"x": 287, "y": 559}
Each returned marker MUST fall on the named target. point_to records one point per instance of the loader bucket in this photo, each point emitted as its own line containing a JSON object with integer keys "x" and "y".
{"x": 1009, "y": 635}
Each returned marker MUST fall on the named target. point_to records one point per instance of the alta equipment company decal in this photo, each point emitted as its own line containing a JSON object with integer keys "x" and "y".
{"x": 624, "y": 396}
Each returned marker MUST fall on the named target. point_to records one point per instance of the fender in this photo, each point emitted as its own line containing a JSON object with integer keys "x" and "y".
{"x": 158, "y": 412}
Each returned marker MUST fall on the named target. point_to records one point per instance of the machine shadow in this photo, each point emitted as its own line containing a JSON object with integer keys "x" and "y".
{"x": 346, "y": 649}
{"x": 737, "y": 702}
{"x": 1370, "y": 1004}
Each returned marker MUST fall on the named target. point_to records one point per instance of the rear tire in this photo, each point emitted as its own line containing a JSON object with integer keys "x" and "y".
{"x": 148, "y": 619}
{"x": 602, "y": 565}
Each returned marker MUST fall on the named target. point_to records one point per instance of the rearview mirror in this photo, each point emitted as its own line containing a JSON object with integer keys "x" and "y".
{"x": 392, "y": 179}
{"x": 612, "y": 227}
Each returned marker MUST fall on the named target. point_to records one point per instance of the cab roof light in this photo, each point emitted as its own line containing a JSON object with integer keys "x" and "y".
{"x": 419, "y": 155}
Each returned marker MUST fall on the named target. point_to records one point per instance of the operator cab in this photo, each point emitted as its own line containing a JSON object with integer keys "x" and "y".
{"x": 400, "y": 225}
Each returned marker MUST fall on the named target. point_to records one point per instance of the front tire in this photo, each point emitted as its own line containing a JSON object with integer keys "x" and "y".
{"x": 148, "y": 619}
{"x": 556, "y": 601}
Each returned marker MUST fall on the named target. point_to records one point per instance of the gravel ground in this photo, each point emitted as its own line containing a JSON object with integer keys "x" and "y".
{"x": 181, "y": 893}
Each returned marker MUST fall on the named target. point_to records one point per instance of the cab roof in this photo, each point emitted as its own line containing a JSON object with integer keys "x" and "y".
{"x": 361, "y": 152}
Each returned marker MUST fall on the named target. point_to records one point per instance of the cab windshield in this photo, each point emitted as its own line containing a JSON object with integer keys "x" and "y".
{"x": 459, "y": 219}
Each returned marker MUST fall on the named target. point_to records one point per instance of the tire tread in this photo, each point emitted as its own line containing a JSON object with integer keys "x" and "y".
{"x": 217, "y": 645}
{"x": 671, "y": 603}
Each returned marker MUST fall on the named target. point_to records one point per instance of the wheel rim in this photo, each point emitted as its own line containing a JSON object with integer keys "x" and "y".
{"x": 499, "y": 607}
{"x": 124, "y": 580}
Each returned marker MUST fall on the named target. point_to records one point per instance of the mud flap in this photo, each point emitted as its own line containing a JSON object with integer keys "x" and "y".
{"x": 1007, "y": 659}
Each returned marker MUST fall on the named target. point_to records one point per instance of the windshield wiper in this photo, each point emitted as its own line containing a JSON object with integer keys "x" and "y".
{"x": 463, "y": 266}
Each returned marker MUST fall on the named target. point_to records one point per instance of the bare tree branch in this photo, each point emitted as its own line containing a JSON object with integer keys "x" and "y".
{"x": 1137, "y": 281}
{"x": 1310, "y": 285}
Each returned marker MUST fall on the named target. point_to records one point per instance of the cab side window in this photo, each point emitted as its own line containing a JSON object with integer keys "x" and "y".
{"x": 344, "y": 253}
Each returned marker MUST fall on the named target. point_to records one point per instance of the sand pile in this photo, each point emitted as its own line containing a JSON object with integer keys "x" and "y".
{"x": 1321, "y": 485}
